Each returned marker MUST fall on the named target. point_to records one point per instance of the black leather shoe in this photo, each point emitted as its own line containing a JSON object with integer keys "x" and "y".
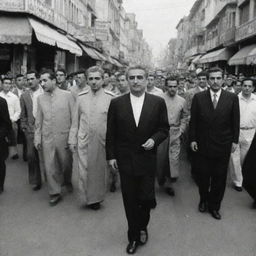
{"x": 215, "y": 214}
{"x": 254, "y": 205}
{"x": 170, "y": 191}
{"x": 173, "y": 180}
{"x": 1, "y": 190}
{"x": 95, "y": 206}
{"x": 202, "y": 207}
{"x": 143, "y": 237}
{"x": 132, "y": 247}
{"x": 36, "y": 187}
{"x": 237, "y": 188}
{"x": 54, "y": 200}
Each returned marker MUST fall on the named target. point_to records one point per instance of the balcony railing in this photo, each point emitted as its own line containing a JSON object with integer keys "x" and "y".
{"x": 246, "y": 30}
{"x": 212, "y": 43}
{"x": 12, "y": 5}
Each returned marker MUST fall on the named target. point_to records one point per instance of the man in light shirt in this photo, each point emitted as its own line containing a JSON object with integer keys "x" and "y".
{"x": 247, "y": 102}
{"x": 169, "y": 150}
{"x": 28, "y": 102}
{"x": 13, "y": 103}
{"x": 151, "y": 88}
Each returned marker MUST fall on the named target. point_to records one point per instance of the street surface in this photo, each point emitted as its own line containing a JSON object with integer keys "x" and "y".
{"x": 29, "y": 227}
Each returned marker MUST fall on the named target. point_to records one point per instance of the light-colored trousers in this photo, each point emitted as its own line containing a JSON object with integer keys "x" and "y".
{"x": 58, "y": 162}
{"x": 237, "y": 158}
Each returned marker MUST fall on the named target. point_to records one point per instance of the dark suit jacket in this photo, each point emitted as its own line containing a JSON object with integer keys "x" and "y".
{"x": 27, "y": 120}
{"x": 124, "y": 139}
{"x": 5, "y": 128}
{"x": 214, "y": 129}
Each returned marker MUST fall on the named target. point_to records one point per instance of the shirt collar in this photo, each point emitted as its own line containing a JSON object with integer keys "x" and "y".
{"x": 217, "y": 93}
{"x": 253, "y": 97}
{"x": 137, "y": 98}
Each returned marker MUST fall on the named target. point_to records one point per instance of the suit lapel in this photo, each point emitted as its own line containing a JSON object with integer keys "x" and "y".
{"x": 145, "y": 112}
{"x": 130, "y": 115}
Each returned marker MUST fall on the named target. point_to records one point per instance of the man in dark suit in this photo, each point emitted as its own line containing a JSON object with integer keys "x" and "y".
{"x": 214, "y": 132}
{"x": 5, "y": 129}
{"x": 28, "y": 102}
{"x": 137, "y": 124}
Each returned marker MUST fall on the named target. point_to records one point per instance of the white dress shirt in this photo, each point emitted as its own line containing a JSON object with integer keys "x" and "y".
{"x": 217, "y": 95}
{"x": 247, "y": 111}
{"x": 34, "y": 96}
{"x": 13, "y": 103}
{"x": 137, "y": 104}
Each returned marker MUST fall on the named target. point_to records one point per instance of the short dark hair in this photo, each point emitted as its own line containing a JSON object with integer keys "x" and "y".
{"x": 171, "y": 78}
{"x": 215, "y": 69}
{"x": 80, "y": 71}
{"x": 61, "y": 70}
{"x": 137, "y": 67}
{"x": 49, "y": 72}
{"x": 6, "y": 78}
{"x": 33, "y": 72}
{"x": 121, "y": 74}
{"x": 107, "y": 72}
{"x": 248, "y": 79}
{"x": 18, "y": 76}
{"x": 203, "y": 73}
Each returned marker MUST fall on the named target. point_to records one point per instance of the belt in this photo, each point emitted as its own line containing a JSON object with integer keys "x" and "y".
{"x": 247, "y": 128}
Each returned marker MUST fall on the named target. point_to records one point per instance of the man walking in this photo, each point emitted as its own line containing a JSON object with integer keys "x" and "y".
{"x": 5, "y": 129}
{"x": 88, "y": 133}
{"x": 214, "y": 132}
{"x": 170, "y": 149}
{"x": 151, "y": 88}
{"x": 247, "y": 103}
{"x": 61, "y": 77}
{"x": 53, "y": 122}
{"x": 13, "y": 103}
{"x": 137, "y": 124}
{"x": 28, "y": 102}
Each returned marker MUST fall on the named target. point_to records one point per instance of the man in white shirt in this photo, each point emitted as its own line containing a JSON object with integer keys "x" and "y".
{"x": 13, "y": 103}
{"x": 247, "y": 102}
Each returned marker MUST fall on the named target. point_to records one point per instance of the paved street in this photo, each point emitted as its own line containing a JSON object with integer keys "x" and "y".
{"x": 29, "y": 227}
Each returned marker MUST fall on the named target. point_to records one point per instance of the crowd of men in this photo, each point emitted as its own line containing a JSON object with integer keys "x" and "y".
{"x": 131, "y": 125}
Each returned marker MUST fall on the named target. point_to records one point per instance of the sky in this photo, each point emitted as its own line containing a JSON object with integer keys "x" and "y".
{"x": 158, "y": 19}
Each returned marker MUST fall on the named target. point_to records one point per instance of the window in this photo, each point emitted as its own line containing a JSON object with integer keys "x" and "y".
{"x": 244, "y": 12}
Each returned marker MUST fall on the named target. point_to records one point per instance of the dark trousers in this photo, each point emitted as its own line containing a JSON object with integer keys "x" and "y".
{"x": 21, "y": 139}
{"x": 211, "y": 175}
{"x": 138, "y": 198}
{"x": 2, "y": 172}
{"x": 34, "y": 174}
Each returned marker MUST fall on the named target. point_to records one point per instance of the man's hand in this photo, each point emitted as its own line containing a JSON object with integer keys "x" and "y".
{"x": 72, "y": 148}
{"x": 194, "y": 146}
{"x": 39, "y": 147}
{"x": 149, "y": 144}
{"x": 113, "y": 164}
{"x": 234, "y": 147}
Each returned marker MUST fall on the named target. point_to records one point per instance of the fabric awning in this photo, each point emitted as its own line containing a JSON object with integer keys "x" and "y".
{"x": 196, "y": 59}
{"x": 101, "y": 56}
{"x": 219, "y": 55}
{"x": 15, "y": 30}
{"x": 90, "y": 52}
{"x": 240, "y": 58}
{"x": 48, "y": 35}
{"x": 117, "y": 63}
{"x": 251, "y": 58}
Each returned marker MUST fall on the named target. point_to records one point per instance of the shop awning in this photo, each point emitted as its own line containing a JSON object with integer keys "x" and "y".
{"x": 117, "y": 63}
{"x": 15, "y": 30}
{"x": 196, "y": 59}
{"x": 251, "y": 59}
{"x": 90, "y": 52}
{"x": 219, "y": 55}
{"x": 48, "y": 35}
{"x": 101, "y": 56}
{"x": 240, "y": 58}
